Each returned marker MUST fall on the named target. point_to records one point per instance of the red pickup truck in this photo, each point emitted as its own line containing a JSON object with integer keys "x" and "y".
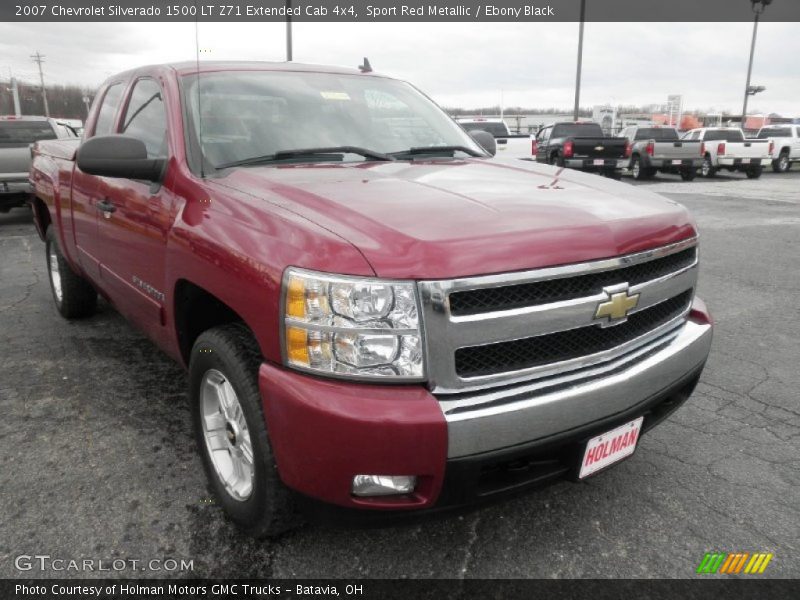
{"x": 375, "y": 313}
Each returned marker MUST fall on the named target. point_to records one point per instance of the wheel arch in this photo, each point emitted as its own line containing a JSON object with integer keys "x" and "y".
{"x": 41, "y": 216}
{"x": 197, "y": 310}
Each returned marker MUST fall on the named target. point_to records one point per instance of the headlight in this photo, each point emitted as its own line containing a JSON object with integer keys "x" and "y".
{"x": 351, "y": 326}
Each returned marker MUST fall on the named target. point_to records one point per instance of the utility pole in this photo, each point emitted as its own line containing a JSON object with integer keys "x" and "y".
{"x": 39, "y": 59}
{"x": 288, "y": 31}
{"x": 15, "y": 94}
{"x": 580, "y": 63}
{"x": 758, "y": 6}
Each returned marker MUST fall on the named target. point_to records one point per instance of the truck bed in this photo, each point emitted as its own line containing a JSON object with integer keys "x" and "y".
{"x": 746, "y": 149}
{"x": 62, "y": 149}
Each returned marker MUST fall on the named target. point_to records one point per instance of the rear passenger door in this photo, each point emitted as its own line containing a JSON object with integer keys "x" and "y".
{"x": 86, "y": 189}
{"x": 134, "y": 232}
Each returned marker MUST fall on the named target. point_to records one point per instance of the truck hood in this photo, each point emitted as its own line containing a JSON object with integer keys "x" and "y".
{"x": 453, "y": 218}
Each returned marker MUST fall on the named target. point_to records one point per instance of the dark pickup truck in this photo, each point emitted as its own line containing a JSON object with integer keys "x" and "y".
{"x": 581, "y": 146}
{"x": 375, "y": 314}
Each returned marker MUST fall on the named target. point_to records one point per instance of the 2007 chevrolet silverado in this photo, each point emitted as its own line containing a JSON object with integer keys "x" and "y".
{"x": 374, "y": 312}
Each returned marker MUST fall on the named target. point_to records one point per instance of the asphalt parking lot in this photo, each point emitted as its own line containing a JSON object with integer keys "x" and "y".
{"x": 99, "y": 461}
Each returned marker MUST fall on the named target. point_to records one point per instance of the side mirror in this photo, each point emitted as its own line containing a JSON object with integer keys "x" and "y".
{"x": 485, "y": 139}
{"x": 119, "y": 156}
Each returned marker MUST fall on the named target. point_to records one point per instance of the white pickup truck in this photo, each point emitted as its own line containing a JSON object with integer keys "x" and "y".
{"x": 727, "y": 148}
{"x": 785, "y": 145}
{"x": 509, "y": 145}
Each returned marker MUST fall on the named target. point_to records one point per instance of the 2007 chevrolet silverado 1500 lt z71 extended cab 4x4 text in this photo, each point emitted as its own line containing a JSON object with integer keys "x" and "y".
{"x": 374, "y": 314}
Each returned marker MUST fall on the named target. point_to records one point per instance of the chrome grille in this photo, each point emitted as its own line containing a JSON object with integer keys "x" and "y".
{"x": 508, "y": 328}
{"x": 475, "y": 361}
{"x": 556, "y": 290}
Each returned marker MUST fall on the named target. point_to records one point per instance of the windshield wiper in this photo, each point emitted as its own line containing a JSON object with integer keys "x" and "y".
{"x": 331, "y": 153}
{"x": 449, "y": 150}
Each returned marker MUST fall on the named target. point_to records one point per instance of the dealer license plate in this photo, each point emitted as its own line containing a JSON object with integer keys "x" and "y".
{"x": 610, "y": 447}
{"x": 599, "y": 161}
{"x": 745, "y": 161}
{"x": 677, "y": 162}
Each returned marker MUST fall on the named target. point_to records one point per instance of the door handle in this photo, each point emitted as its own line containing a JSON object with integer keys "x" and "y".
{"x": 106, "y": 206}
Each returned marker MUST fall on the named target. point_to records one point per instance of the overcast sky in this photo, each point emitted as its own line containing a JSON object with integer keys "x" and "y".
{"x": 458, "y": 64}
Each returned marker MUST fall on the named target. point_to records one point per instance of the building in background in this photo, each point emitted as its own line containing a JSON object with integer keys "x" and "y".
{"x": 674, "y": 110}
{"x": 606, "y": 117}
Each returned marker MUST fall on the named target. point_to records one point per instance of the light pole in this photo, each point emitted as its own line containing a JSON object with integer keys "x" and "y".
{"x": 758, "y": 6}
{"x": 288, "y": 31}
{"x": 580, "y": 62}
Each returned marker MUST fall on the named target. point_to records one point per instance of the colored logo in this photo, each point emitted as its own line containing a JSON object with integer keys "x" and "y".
{"x": 735, "y": 563}
{"x": 615, "y": 310}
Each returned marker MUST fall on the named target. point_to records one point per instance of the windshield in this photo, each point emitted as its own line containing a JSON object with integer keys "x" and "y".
{"x": 774, "y": 132}
{"x": 25, "y": 132}
{"x": 248, "y": 114}
{"x": 577, "y": 130}
{"x": 495, "y": 128}
{"x": 657, "y": 134}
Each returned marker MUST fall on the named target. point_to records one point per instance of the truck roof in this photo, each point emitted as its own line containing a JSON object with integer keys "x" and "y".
{"x": 479, "y": 120}
{"x": 189, "y": 67}
{"x": 22, "y": 118}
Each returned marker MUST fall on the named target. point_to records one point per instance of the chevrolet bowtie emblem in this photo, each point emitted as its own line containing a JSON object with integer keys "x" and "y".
{"x": 615, "y": 310}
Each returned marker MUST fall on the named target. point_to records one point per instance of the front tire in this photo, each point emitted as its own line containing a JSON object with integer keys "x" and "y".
{"x": 231, "y": 431}
{"x": 74, "y": 297}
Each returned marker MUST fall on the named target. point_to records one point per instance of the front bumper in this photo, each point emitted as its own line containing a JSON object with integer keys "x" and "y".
{"x": 323, "y": 432}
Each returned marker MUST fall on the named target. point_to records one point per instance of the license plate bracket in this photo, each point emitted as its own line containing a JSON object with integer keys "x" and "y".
{"x": 609, "y": 448}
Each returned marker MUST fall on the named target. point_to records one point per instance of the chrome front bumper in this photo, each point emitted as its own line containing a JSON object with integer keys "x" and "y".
{"x": 484, "y": 421}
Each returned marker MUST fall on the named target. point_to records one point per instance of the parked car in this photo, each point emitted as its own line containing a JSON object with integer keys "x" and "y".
{"x": 16, "y": 136}
{"x": 581, "y": 145}
{"x": 727, "y": 148}
{"x": 785, "y": 145}
{"x": 374, "y": 314}
{"x": 653, "y": 149}
{"x": 509, "y": 145}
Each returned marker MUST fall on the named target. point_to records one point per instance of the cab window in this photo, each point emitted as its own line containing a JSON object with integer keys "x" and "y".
{"x": 146, "y": 119}
{"x": 105, "y": 118}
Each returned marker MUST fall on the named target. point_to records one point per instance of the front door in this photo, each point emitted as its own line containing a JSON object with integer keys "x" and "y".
{"x": 542, "y": 140}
